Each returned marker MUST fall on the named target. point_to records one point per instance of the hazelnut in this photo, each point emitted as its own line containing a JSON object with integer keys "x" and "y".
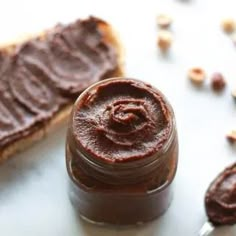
{"x": 197, "y": 75}
{"x": 217, "y": 82}
{"x": 231, "y": 136}
{"x": 164, "y": 40}
{"x": 228, "y": 25}
{"x": 164, "y": 21}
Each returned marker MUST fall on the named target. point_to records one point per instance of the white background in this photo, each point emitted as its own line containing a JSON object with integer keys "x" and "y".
{"x": 33, "y": 185}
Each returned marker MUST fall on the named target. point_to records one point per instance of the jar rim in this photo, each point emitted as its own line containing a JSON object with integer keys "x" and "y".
{"x": 160, "y": 188}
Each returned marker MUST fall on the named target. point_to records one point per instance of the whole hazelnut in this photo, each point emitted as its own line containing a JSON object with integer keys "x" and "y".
{"x": 228, "y": 25}
{"x": 197, "y": 75}
{"x": 217, "y": 82}
{"x": 231, "y": 136}
{"x": 164, "y": 40}
{"x": 164, "y": 21}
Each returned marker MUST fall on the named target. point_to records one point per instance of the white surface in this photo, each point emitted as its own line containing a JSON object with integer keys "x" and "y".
{"x": 33, "y": 185}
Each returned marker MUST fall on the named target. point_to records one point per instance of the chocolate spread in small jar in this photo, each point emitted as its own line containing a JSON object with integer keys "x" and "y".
{"x": 121, "y": 152}
{"x": 220, "y": 199}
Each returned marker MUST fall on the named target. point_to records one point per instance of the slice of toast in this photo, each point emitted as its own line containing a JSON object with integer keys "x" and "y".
{"x": 109, "y": 36}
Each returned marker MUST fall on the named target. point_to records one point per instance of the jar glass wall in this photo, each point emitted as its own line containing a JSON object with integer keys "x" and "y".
{"x": 122, "y": 159}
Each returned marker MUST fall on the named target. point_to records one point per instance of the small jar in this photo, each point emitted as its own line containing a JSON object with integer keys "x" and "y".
{"x": 121, "y": 152}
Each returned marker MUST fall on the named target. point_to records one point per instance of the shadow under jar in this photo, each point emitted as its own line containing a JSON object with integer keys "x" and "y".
{"x": 121, "y": 152}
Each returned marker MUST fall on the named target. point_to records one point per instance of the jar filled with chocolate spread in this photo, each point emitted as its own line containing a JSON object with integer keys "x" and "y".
{"x": 121, "y": 152}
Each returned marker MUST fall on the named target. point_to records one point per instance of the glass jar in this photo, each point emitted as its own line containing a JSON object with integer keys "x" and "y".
{"x": 129, "y": 190}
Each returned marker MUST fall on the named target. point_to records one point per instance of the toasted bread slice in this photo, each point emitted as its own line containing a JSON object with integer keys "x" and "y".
{"x": 62, "y": 114}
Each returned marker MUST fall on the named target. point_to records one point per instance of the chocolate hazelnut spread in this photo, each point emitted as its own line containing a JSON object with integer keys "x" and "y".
{"x": 122, "y": 152}
{"x": 45, "y": 74}
{"x": 220, "y": 199}
{"x": 120, "y": 121}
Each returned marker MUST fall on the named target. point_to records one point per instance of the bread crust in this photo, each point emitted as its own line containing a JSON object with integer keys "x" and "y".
{"x": 62, "y": 115}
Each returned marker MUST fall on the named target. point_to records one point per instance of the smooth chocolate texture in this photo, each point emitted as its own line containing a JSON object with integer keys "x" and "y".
{"x": 220, "y": 199}
{"x": 45, "y": 74}
{"x": 121, "y": 121}
{"x": 121, "y": 152}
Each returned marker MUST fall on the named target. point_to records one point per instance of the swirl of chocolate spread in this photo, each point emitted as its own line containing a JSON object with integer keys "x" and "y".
{"x": 32, "y": 88}
{"x": 71, "y": 58}
{"x": 45, "y": 74}
{"x": 121, "y": 120}
{"x": 220, "y": 199}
